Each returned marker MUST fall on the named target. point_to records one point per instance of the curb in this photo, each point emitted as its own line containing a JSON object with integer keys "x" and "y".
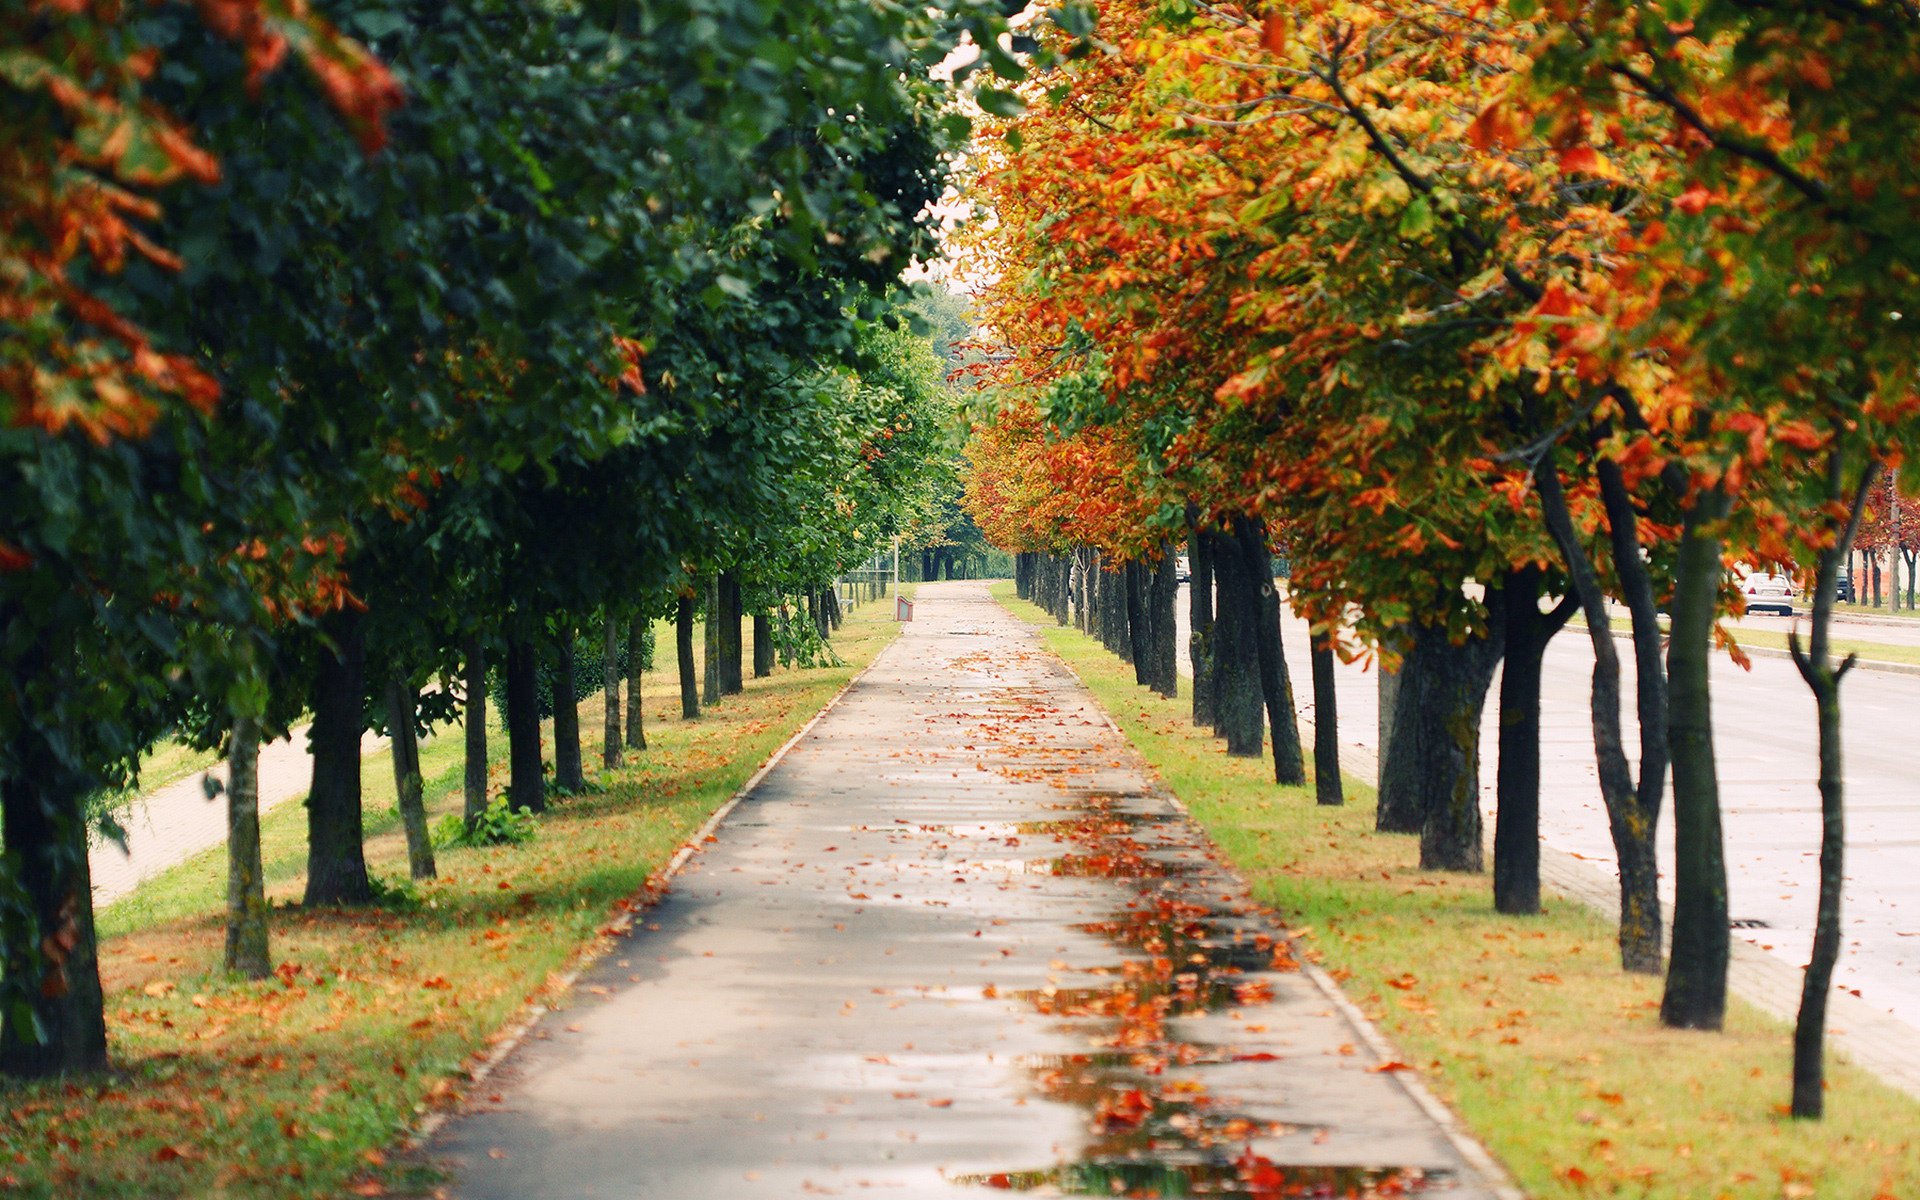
{"x": 517, "y": 1032}
{"x": 1496, "y": 1177}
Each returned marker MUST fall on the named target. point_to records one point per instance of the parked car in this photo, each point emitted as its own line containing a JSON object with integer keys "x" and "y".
{"x": 1182, "y": 573}
{"x": 1843, "y": 591}
{"x": 1767, "y": 592}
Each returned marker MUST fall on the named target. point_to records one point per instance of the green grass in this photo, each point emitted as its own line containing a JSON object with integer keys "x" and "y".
{"x": 302, "y": 1085}
{"x": 1553, "y": 1056}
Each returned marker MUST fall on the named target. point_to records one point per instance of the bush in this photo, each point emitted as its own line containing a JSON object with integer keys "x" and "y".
{"x": 498, "y": 825}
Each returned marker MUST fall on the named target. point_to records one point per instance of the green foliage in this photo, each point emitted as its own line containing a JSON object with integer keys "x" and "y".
{"x": 497, "y": 825}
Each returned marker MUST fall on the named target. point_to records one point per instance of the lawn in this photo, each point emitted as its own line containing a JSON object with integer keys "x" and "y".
{"x": 303, "y": 1085}
{"x": 1551, "y": 1055}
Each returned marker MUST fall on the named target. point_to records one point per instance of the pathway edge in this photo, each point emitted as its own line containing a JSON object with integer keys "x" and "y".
{"x": 622, "y": 921}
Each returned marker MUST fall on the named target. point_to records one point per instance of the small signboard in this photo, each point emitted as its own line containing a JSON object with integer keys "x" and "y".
{"x": 902, "y": 609}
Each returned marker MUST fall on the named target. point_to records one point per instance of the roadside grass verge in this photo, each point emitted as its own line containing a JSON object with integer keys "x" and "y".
{"x": 300, "y": 1086}
{"x": 1552, "y": 1056}
{"x": 1772, "y": 639}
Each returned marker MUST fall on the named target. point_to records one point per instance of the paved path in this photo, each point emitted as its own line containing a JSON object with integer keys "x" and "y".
{"x": 172, "y": 824}
{"x": 953, "y": 941}
{"x": 1765, "y": 736}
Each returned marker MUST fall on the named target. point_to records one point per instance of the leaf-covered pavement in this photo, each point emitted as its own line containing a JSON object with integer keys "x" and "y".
{"x": 955, "y": 942}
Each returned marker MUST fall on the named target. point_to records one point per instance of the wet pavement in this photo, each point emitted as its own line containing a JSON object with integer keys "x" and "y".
{"x": 954, "y": 944}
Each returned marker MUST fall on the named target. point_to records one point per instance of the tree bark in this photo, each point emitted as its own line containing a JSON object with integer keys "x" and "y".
{"x": 1200, "y": 622}
{"x": 526, "y": 772}
{"x": 1696, "y": 991}
{"x": 1276, "y": 683}
{"x": 1823, "y": 677}
{"x": 1139, "y": 634}
{"x": 1327, "y": 785}
{"x": 247, "y": 949}
{"x": 712, "y": 652}
{"x": 612, "y": 736}
{"x": 1236, "y": 653}
{"x": 44, "y": 825}
{"x": 636, "y": 677}
{"x": 1430, "y": 779}
{"x": 1516, "y": 830}
{"x": 762, "y": 645}
{"x": 409, "y": 789}
{"x": 474, "y": 715}
{"x": 732, "y": 645}
{"x": 683, "y": 651}
{"x": 1162, "y": 597}
{"x": 569, "y": 774}
{"x": 336, "y": 857}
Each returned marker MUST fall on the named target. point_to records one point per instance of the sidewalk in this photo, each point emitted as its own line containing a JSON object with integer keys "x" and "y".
{"x": 169, "y": 826}
{"x": 954, "y": 939}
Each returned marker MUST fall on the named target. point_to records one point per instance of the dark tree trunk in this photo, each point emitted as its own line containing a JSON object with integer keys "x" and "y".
{"x": 1633, "y": 812}
{"x": 336, "y": 858}
{"x": 1139, "y": 634}
{"x": 1083, "y": 573}
{"x": 1823, "y": 676}
{"x": 762, "y": 645}
{"x": 636, "y": 677}
{"x": 474, "y": 714}
{"x": 1200, "y": 623}
{"x": 409, "y": 788}
{"x": 1327, "y": 785}
{"x": 1237, "y": 697}
{"x": 712, "y": 652}
{"x": 569, "y": 775}
{"x": 1430, "y": 779}
{"x": 526, "y": 773}
{"x": 1516, "y": 830}
{"x": 612, "y": 738}
{"x": 1696, "y": 992}
{"x": 1276, "y": 683}
{"x": 1063, "y": 589}
{"x": 683, "y": 651}
{"x": 1162, "y": 597}
{"x": 831, "y": 596}
{"x": 43, "y": 822}
{"x": 731, "y": 646}
{"x": 248, "y": 954}
{"x": 1022, "y": 582}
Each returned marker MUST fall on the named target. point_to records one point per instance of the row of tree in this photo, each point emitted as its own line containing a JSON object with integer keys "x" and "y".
{"x": 1485, "y": 313}
{"x": 347, "y": 349}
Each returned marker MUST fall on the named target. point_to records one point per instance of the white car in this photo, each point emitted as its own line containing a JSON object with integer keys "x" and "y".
{"x": 1767, "y": 592}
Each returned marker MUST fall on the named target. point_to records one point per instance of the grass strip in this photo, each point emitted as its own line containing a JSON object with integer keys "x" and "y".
{"x": 1552, "y": 1056}
{"x": 301, "y": 1085}
{"x": 1869, "y": 651}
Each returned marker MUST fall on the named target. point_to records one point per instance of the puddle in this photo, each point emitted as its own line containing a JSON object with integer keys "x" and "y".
{"x": 1184, "y": 948}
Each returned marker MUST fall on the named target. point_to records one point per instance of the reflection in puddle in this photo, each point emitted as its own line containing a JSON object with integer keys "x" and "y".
{"x": 1154, "y": 1128}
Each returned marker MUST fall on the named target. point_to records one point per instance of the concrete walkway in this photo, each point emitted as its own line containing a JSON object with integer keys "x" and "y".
{"x": 167, "y": 826}
{"x": 955, "y": 941}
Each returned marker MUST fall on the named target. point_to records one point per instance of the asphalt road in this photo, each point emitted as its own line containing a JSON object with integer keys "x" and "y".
{"x": 1764, "y": 733}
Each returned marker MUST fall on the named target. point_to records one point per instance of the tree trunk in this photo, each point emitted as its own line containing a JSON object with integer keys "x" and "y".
{"x": 336, "y": 858}
{"x": 1633, "y": 812}
{"x": 474, "y": 714}
{"x": 42, "y": 820}
{"x": 1276, "y": 683}
{"x": 1516, "y": 831}
{"x": 1200, "y": 622}
{"x": 1327, "y": 785}
{"x": 636, "y": 677}
{"x": 762, "y": 645}
{"x": 1236, "y": 653}
{"x": 1430, "y": 779}
{"x": 732, "y": 645}
{"x": 1162, "y": 596}
{"x": 1022, "y": 587}
{"x": 612, "y": 737}
{"x": 830, "y": 597}
{"x": 1823, "y": 677}
{"x": 710, "y": 691}
{"x": 247, "y": 950}
{"x": 683, "y": 651}
{"x": 409, "y": 789}
{"x": 1139, "y": 634}
{"x": 526, "y": 772}
{"x": 1696, "y": 992}
{"x": 569, "y": 775}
